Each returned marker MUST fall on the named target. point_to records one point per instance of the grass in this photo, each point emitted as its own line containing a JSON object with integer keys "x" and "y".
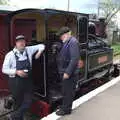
{"x": 116, "y": 48}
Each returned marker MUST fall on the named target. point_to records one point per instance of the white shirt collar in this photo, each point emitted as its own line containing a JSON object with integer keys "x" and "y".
{"x": 17, "y": 51}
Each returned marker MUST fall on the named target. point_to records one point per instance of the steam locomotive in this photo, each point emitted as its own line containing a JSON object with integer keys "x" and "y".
{"x": 40, "y": 26}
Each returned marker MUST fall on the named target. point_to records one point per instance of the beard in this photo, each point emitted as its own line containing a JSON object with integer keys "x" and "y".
{"x": 21, "y": 49}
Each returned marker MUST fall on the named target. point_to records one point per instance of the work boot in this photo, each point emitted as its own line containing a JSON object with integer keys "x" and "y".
{"x": 62, "y": 112}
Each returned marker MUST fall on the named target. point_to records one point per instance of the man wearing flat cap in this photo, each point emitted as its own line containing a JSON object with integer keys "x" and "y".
{"x": 67, "y": 61}
{"x": 18, "y": 65}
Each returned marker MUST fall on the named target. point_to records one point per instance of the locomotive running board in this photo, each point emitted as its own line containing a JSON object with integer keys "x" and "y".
{"x": 86, "y": 97}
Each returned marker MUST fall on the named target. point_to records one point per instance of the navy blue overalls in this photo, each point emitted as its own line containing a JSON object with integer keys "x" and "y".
{"x": 21, "y": 88}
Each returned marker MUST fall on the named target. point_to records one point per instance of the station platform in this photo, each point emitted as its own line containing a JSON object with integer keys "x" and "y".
{"x": 104, "y": 106}
{"x": 102, "y": 103}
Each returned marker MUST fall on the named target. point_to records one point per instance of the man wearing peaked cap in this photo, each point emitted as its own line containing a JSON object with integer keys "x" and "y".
{"x": 18, "y": 65}
{"x": 20, "y": 37}
{"x": 67, "y": 61}
{"x": 63, "y": 30}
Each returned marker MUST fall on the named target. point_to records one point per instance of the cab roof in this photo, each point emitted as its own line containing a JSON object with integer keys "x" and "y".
{"x": 45, "y": 11}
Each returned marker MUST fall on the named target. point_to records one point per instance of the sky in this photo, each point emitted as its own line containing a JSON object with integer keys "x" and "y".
{"x": 83, "y": 6}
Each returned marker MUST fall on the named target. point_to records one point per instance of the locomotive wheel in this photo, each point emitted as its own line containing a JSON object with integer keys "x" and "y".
{"x": 108, "y": 75}
{"x": 116, "y": 71}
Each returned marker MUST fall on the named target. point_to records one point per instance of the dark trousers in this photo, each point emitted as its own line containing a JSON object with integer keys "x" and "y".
{"x": 68, "y": 90}
{"x": 21, "y": 90}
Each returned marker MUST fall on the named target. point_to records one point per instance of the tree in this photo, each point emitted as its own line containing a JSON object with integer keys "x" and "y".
{"x": 109, "y": 8}
{"x": 4, "y": 2}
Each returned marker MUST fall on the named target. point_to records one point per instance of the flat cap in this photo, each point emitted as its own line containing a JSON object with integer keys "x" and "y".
{"x": 63, "y": 30}
{"x": 20, "y": 37}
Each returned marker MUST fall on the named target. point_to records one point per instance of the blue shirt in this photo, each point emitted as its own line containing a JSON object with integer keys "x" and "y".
{"x": 9, "y": 64}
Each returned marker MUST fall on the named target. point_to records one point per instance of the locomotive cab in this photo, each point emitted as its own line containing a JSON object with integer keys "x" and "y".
{"x": 40, "y": 26}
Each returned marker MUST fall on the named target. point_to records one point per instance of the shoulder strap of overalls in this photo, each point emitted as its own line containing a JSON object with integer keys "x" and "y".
{"x": 27, "y": 56}
{"x": 16, "y": 57}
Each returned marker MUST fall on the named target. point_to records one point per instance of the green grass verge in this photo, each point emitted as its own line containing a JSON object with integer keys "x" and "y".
{"x": 116, "y": 48}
